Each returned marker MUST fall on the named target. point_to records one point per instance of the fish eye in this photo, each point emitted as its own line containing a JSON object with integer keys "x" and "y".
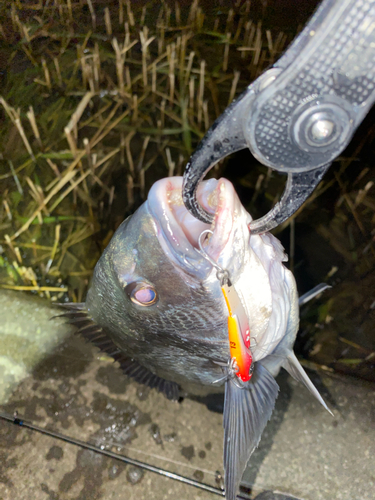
{"x": 141, "y": 294}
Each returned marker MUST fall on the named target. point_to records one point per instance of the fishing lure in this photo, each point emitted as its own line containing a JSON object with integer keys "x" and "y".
{"x": 240, "y": 367}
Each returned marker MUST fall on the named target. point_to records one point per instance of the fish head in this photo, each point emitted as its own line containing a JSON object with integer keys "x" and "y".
{"x": 159, "y": 298}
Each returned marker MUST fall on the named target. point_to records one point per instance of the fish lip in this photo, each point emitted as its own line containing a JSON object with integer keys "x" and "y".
{"x": 178, "y": 231}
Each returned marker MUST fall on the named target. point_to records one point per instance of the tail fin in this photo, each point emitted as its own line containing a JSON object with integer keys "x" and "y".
{"x": 246, "y": 413}
{"x": 293, "y": 367}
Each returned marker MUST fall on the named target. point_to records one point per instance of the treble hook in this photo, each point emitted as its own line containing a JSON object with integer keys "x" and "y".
{"x": 221, "y": 274}
{"x": 232, "y": 370}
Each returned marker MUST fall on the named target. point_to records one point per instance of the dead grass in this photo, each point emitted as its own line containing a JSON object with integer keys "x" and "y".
{"x": 99, "y": 101}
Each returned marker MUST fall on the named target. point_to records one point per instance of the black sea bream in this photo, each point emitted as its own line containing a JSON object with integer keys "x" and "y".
{"x": 155, "y": 304}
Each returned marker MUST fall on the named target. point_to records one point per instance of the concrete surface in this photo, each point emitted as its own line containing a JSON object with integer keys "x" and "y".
{"x": 27, "y": 333}
{"x": 304, "y": 452}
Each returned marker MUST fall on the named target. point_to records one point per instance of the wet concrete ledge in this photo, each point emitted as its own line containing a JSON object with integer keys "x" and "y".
{"x": 57, "y": 380}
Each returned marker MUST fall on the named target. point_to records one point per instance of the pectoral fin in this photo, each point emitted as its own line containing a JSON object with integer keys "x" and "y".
{"x": 246, "y": 413}
{"x": 294, "y": 368}
{"x": 306, "y": 297}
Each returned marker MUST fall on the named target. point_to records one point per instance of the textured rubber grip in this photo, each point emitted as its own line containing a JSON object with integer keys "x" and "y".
{"x": 325, "y": 86}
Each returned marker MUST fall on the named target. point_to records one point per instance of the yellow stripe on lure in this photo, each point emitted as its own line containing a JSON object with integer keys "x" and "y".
{"x": 239, "y": 334}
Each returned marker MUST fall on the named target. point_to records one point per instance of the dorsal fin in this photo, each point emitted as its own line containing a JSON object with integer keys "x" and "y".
{"x": 76, "y": 314}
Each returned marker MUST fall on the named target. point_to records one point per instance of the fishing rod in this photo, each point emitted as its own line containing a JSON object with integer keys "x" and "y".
{"x": 20, "y": 422}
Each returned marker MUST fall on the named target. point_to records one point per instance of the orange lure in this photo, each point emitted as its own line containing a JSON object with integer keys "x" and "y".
{"x": 239, "y": 333}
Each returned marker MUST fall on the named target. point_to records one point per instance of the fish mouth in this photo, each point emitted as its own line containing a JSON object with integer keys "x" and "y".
{"x": 179, "y": 231}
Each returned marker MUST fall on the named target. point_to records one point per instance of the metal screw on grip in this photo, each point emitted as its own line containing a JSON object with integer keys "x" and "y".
{"x": 322, "y": 129}
{"x": 322, "y": 125}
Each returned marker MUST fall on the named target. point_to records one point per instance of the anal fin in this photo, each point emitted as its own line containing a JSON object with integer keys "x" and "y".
{"x": 246, "y": 413}
{"x": 294, "y": 368}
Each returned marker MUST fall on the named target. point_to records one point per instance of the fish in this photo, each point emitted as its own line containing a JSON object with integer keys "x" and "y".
{"x": 156, "y": 304}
